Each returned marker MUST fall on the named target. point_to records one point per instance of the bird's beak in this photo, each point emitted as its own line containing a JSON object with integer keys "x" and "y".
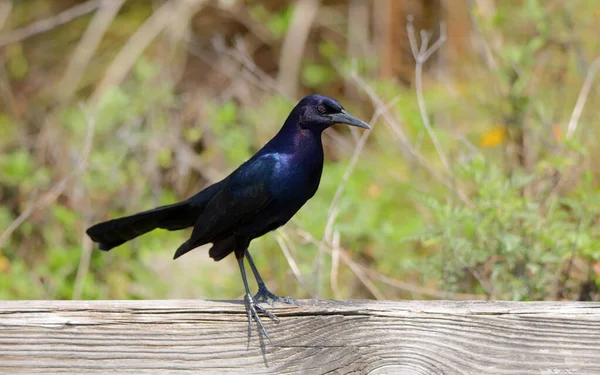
{"x": 346, "y": 118}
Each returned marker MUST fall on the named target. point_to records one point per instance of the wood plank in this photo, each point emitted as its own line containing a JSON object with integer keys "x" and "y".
{"x": 318, "y": 337}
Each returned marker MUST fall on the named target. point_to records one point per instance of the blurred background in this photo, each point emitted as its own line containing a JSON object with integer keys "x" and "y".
{"x": 478, "y": 181}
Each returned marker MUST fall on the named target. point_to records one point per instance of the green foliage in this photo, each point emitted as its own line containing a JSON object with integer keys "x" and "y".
{"x": 315, "y": 75}
{"x": 233, "y": 139}
{"x": 507, "y": 245}
{"x": 55, "y": 271}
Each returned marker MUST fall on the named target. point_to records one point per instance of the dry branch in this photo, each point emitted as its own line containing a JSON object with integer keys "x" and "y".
{"x": 86, "y": 47}
{"x": 582, "y": 98}
{"x": 48, "y": 24}
{"x": 172, "y": 11}
{"x": 292, "y": 49}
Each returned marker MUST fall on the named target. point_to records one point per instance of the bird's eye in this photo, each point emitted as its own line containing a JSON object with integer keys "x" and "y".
{"x": 321, "y": 108}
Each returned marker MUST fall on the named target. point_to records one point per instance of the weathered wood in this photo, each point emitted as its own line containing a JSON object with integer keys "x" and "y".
{"x": 318, "y": 337}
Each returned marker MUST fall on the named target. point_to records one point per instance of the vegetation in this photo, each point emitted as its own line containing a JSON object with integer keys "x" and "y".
{"x": 478, "y": 180}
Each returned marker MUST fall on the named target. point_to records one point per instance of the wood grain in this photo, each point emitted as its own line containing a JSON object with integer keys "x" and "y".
{"x": 317, "y": 337}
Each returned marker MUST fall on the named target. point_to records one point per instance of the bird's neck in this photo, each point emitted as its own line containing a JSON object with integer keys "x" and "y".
{"x": 293, "y": 139}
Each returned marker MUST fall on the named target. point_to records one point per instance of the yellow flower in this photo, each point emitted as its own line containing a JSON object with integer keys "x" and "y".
{"x": 493, "y": 137}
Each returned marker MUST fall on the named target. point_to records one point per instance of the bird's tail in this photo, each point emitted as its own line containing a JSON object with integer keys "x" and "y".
{"x": 115, "y": 232}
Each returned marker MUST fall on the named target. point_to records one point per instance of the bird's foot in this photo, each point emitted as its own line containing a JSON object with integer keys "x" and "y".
{"x": 264, "y": 295}
{"x": 252, "y": 309}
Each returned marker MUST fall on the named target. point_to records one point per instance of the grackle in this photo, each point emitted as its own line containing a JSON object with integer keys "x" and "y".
{"x": 258, "y": 197}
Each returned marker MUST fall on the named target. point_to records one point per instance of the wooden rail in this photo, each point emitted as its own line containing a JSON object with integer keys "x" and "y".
{"x": 318, "y": 337}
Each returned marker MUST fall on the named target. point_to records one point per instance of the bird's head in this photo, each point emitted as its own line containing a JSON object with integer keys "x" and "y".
{"x": 318, "y": 112}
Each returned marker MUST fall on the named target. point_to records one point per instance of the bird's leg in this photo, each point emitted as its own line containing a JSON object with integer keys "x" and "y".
{"x": 252, "y": 306}
{"x": 264, "y": 295}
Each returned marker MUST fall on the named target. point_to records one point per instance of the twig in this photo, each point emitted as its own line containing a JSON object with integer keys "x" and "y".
{"x": 87, "y": 46}
{"x": 6, "y": 92}
{"x": 86, "y": 243}
{"x": 406, "y": 145}
{"x": 335, "y": 265}
{"x": 283, "y": 242}
{"x": 243, "y": 56}
{"x": 357, "y": 151}
{"x": 355, "y": 268}
{"x": 293, "y": 45}
{"x": 427, "y": 292}
{"x": 239, "y": 12}
{"x": 327, "y": 238}
{"x": 5, "y": 9}
{"x": 421, "y": 56}
{"x": 141, "y": 39}
{"x": 249, "y": 71}
{"x": 50, "y": 23}
{"x": 365, "y": 275}
{"x": 255, "y": 76}
{"x": 482, "y": 281}
{"x": 362, "y": 275}
{"x": 134, "y": 46}
{"x": 490, "y": 55}
{"x": 84, "y": 266}
{"x": 357, "y": 45}
{"x": 583, "y": 95}
{"x": 333, "y": 206}
{"x": 564, "y": 178}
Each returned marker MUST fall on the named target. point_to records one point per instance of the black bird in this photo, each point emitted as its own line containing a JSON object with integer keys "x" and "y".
{"x": 258, "y": 197}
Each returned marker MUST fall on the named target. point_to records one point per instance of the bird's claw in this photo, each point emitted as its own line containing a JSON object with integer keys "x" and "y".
{"x": 264, "y": 295}
{"x": 252, "y": 309}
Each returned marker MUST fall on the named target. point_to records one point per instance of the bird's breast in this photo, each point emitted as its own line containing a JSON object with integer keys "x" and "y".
{"x": 297, "y": 177}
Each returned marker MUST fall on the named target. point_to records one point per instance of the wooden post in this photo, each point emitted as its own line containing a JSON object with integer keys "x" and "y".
{"x": 318, "y": 337}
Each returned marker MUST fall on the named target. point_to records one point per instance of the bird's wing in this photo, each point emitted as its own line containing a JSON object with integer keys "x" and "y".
{"x": 244, "y": 194}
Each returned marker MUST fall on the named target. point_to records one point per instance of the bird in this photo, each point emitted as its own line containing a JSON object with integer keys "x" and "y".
{"x": 261, "y": 195}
